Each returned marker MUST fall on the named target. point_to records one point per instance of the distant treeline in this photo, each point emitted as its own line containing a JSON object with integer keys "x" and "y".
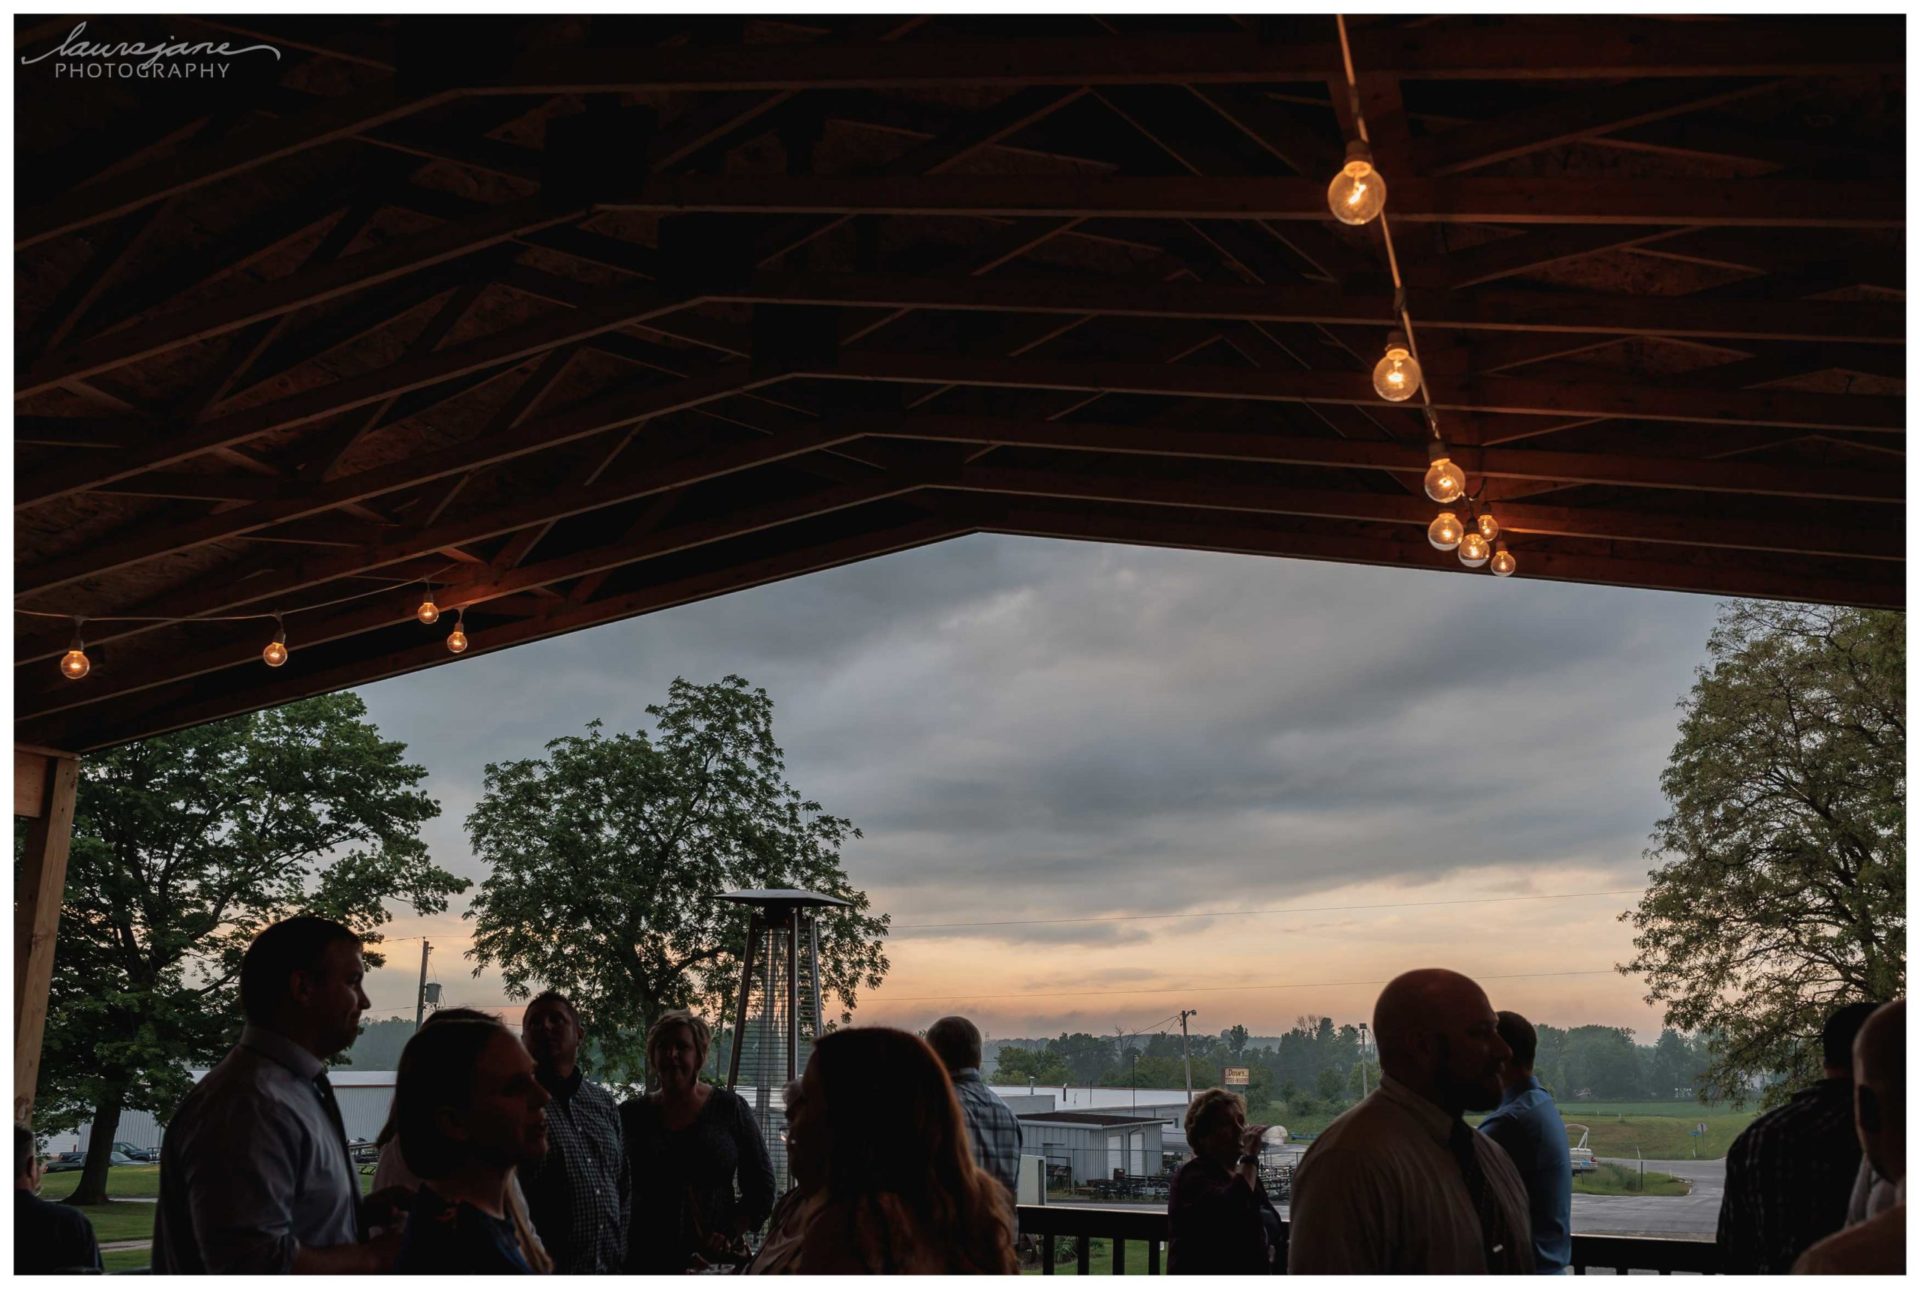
{"x": 1319, "y": 1061}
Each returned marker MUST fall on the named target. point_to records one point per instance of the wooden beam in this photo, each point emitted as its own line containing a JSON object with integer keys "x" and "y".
{"x": 1582, "y": 114}
{"x": 1756, "y": 203}
{"x": 1558, "y": 50}
{"x": 271, "y": 299}
{"x": 1627, "y": 469}
{"x": 1145, "y": 528}
{"x": 177, "y": 705}
{"x": 1307, "y": 302}
{"x": 1786, "y": 408}
{"x": 625, "y": 407}
{"x": 1529, "y": 253}
{"x": 618, "y": 307}
{"x": 246, "y": 150}
{"x": 36, "y": 919}
{"x": 1884, "y": 542}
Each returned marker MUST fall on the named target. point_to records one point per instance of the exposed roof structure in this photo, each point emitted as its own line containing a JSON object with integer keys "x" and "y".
{"x": 581, "y": 318}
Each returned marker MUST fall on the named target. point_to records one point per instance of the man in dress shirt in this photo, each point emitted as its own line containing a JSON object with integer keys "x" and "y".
{"x": 1529, "y": 1128}
{"x": 991, "y": 1125}
{"x": 47, "y": 1238}
{"x": 578, "y": 1195}
{"x": 1399, "y": 1184}
{"x": 254, "y": 1171}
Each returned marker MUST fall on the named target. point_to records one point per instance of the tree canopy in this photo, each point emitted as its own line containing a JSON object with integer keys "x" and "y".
{"x": 607, "y": 855}
{"x": 1780, "y": 887}
{"x": 184, "y": 847}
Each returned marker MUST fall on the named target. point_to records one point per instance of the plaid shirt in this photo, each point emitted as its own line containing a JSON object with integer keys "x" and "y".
{"x": 1789, "y": 1177}
{"x": 995, "y": 1132}
{"x": 577, "y": 1196}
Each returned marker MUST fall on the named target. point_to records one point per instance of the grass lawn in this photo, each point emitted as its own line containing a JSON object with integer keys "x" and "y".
{"x": 114, "y": 1221}
{"x": 1100, "y": 1261}
{"x": 1657, "y": 1129}
{"x": 1616, "y": 1179}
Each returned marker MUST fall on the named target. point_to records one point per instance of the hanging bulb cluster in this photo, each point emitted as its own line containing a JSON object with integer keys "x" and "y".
{"x": 75, "y": 665}
{"x": 1474, "y": 542}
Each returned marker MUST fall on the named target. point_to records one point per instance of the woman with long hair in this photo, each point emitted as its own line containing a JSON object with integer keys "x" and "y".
{"x": 896, "y": 1187}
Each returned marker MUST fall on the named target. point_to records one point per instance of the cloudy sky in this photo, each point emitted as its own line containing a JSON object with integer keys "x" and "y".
{"x": 1354, "y": 771}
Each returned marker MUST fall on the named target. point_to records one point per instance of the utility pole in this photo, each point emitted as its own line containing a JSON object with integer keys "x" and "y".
{"x": 420, "y": 999}
{"x": 1186, "y": 1052}
{"x": 1363, "y": 1060}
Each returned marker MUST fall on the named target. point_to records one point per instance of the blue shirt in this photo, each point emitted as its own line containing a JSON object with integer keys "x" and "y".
{"x": 1528, "y": 1126}
{"x": 457, "y": 1239}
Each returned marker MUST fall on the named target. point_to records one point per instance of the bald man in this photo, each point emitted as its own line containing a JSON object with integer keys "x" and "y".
{"x": 1399, "y": 1184}
{"x": 1878, "y": 1246}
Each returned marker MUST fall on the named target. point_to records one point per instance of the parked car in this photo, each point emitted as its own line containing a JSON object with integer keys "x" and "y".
{"x": 138, "y": 1154}
{"x": 72, "y": 1161}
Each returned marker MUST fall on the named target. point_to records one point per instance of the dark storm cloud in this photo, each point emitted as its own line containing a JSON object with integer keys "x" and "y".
{"x": 1034, "y": 729}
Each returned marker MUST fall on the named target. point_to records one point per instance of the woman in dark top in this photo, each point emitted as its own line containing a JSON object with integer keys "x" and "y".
{"x": 701, "y": 1176}
{"x": 468, "y": 1111}
{"x": 1219, "y": 1220}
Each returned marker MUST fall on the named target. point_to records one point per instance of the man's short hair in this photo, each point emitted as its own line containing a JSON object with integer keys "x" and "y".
{"x": 1837, "y": 1035}
{"x": 956, "y": 1041}
{"x": 554, "y": 996}
{"x": 1206, "y": 1110}
{"x": 1517, "y": 1032}
{"x": 276, "y": 953}
{"x": 23, "y": 1150}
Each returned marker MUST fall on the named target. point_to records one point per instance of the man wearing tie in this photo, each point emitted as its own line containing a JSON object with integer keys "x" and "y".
{"x": 255, "y": 1176}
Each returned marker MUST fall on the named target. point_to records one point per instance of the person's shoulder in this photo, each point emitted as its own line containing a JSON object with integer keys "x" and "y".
{"x": 596, "y": 1094}
{"x": 1875, "y": 1246}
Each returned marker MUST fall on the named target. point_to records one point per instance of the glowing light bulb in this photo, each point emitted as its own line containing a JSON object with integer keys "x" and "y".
{"x": 74, "y": 664}
{"x": 1445, "y": 531}
{"x": 1474, "y": 550}
{"x": 275, "y": 654}
{"x": 428, "y": 612}
{"x": 1396, "y": 377}
{"x": 1503, "y": 561}
{"x": 1489, "y": 526}
{"x": 457, "y": 639}
{"x": 1358, "y": 193}
{"x": 1445, "y": 481}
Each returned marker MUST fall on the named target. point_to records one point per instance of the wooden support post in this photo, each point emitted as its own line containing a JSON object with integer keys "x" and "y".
{"x": 36, "y": 915}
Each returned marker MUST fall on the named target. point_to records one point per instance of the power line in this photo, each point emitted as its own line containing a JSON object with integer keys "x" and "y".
{"x": 1227, "y": 913}
{"x": 1214, "y": 989}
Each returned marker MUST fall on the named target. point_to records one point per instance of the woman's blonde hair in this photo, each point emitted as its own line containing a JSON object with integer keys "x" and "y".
{"x": 702, "y": 1034}
{"x": 1205, "y": 1110}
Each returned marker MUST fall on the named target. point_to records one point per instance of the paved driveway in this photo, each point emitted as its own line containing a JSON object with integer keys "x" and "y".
{"x": 1692, "y": 1215}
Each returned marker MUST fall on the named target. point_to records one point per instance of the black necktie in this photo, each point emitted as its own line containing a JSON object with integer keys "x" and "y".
{"x": 1494, "y": 1235}
{"x": 325, "y": 1089}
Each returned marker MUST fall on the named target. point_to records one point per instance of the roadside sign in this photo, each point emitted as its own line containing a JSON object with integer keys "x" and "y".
{"x": 1699, "y": 1129}
{"x": 1235, "y": 1077}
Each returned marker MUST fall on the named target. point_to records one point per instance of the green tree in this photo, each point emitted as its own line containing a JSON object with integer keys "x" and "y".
{"x": 1780, "y": 890}
{"x": 1235, "y": 1039}
{"x": 607, "y": 857}
{"x": 1018, "y": 1065}
{"x": 184, "y": 847}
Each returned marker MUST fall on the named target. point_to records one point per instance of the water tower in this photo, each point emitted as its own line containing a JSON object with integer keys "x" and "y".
{"x": 778, "y": 1012}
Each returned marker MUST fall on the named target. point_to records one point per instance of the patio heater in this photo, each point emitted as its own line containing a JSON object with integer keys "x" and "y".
{"x": 778, "y": 1012}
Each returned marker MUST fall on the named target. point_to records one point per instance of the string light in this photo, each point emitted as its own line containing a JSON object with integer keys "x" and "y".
{"x": 1445, "y": 481}
{"x": 1474, "y": 550}
{"x": 275, "y": 654}
{"x": 1489, "y": 526}
{"x": 1396, "y": 377}
{"x": 1503, "y": 561}
{"x": 1357, "y": 194}
{"x": 457, "y": 640}
{"x": 74, "y": 665}
{"x": 1445, "y": 532}
{"x": 428, "y": 612}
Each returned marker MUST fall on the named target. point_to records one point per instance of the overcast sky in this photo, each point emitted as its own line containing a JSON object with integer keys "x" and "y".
{"x": 1030, "y": 730}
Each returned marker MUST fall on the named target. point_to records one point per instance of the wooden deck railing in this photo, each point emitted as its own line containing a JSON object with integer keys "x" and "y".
{"x": 1143, "y": 1231}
